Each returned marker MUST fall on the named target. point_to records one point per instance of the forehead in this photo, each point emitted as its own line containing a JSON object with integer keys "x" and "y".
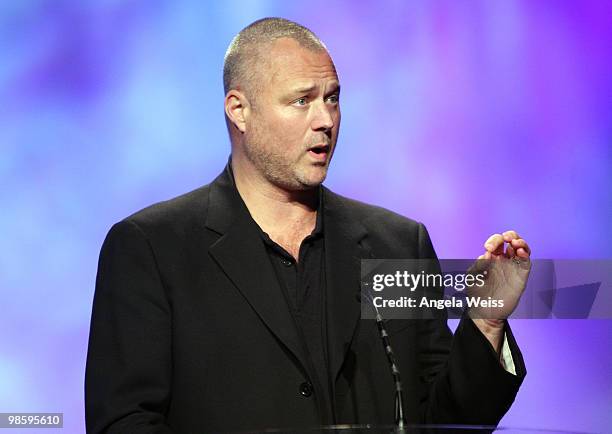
{"x": 291, "y": 63}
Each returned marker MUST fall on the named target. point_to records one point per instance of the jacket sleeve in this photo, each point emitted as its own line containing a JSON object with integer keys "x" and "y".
{"x": 128, "y": 373}
{"x": 462, "y": 380}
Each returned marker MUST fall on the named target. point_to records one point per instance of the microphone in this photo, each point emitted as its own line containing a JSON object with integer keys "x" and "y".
{"x": 400, "y": 421}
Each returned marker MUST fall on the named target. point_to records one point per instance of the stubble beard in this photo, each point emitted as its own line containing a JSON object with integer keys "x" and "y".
{"x": 274, "y": 166}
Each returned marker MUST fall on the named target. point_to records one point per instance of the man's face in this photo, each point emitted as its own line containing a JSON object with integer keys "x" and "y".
{"x": 292, "y": 130}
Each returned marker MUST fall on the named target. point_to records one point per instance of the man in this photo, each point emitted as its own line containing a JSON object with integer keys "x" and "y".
{"x": 234, "y": 307}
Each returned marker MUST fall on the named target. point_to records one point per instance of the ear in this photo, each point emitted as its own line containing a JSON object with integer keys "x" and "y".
{"x": 237, "y": 109}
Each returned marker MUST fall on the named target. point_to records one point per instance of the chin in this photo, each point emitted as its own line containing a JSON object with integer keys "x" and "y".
{"x": 312, "y": 180}
{"x": 304, "y": 178}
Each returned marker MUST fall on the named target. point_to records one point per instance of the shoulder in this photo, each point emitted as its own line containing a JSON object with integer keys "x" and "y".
{"x": 371, "y": 216}
{"x": 387, "y": 231}
{"x": 179, "y": 215}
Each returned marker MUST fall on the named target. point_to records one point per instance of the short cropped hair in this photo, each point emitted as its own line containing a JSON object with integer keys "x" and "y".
{"x": 245, "y": 53}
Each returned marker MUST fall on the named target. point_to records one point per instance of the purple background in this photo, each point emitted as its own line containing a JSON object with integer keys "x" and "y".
{"x": 473, "y": 117}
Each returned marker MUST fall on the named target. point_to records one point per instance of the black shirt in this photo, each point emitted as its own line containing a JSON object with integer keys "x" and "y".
{"x": 303, "y": 285}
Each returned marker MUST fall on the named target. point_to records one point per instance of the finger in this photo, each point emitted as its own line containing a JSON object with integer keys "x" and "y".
{"x": 521, "y": 252}
{"x": 510, "y": 251}
{"x": 499, "y": 251}
{"x": 510, "y": 235}
{"x": 520, "y": 243}
{"x": 494, "y": 242}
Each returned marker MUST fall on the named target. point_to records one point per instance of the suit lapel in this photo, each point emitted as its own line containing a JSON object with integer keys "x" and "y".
{"x": 343, "y": 253}
{"x": 241, "y": 255}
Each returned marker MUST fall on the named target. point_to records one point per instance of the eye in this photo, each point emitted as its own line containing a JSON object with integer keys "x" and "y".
{"x": 300, "y": 101}
{"x": 333, "y": 98}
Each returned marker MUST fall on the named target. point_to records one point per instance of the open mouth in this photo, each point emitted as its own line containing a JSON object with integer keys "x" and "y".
{"x": 319, "y": 151}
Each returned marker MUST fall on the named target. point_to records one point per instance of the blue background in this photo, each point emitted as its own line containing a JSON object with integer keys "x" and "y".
{"x": 473, "y": 117}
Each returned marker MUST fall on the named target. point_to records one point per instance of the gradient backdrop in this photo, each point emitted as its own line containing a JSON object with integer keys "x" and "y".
{"x": 473, "y": 117}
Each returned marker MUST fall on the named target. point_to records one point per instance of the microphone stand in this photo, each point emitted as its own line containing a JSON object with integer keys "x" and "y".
{"x": 400, "y": 420}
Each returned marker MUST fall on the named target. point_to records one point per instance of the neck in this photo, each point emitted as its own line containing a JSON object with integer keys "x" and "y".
{"x": 279, "y": 212}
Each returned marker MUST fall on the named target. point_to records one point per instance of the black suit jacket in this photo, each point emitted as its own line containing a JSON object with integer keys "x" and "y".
{"x": 190, "y": 331}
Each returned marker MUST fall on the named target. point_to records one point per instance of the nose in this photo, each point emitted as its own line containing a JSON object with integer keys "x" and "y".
{"x": 323, "y": 117}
